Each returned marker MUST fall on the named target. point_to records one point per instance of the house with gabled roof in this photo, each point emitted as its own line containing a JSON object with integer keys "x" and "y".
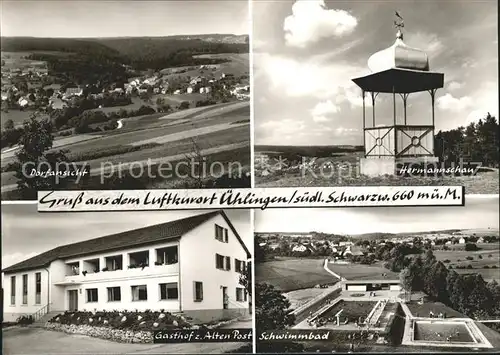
{"x": 189, "y": 266}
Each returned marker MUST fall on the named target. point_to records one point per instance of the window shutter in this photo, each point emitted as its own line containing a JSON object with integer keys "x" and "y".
{"x": 245, "y": 295}
{"x": 226, "y": 238}
{"x": 228, "y": 263}
{"x": 201, "y": 291}
{"x": 194, "y": 290}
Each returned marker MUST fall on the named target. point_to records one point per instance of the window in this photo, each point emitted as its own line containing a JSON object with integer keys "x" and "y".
{"x": 12, "y": 290}
{"x": 221, "y": 234}
{"x": 114, "y": 294}
{"x": 139, "y": 259}
{"x": 167, "y": 256}
{"x": 38, "y": 288}
{"x": 169, "y": 291}
{"x": 219, "y": 261}
{"x": 241, "y": 295}
{"x": 239, "y": 265}
{"x": 228, "y": 263}
{"x": 198, "y": 291}
{"x": 92, "y": 295}
{"x": 25, "y": 289}
{"x": 112, "y": 263}
{"x": 140, "y": 293}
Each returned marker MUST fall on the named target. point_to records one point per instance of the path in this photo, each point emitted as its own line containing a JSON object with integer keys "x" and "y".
{"x": 325, "y": 266}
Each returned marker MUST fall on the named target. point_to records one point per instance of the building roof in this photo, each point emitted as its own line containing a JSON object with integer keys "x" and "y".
{"x": 399, "y": 55}
{"x": 400, "y": 80}
{"x": 132, "y": 238}
{"x": 372, "y": 281}
{"x": 400, "y": 69}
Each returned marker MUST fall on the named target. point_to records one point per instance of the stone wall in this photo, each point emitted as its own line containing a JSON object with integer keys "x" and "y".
{"x": 118, "y": 335}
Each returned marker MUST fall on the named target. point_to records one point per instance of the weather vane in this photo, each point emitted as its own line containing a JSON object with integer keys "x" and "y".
{"x": 399, "y": 24}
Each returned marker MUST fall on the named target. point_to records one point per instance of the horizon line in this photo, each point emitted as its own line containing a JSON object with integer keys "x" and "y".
{"x": 394, "y": 233}
{"x": 131, "y": 36}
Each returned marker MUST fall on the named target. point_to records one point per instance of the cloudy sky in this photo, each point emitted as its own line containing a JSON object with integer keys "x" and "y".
{"x": 26, "y": 233}
{"x": 92, "y": 18}
{"x": 307, "y": 52}
{"x": 478, "y": 213}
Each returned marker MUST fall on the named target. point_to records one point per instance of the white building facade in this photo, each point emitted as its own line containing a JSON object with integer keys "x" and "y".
{"x": 195, "y": 273}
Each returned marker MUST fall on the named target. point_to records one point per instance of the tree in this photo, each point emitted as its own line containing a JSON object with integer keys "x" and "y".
{"x": 246, "y": 281}
{"x": 195, "y": 162}
{"x": 272, "y": 309}
{"x": 471, "y": 247}
{"x": 184, "y": 105}
{"x": 8, "y": 125}
{"x": 35, "y": 142}
{"x": 436, "y": 281}
{"x": 407, "y": 279}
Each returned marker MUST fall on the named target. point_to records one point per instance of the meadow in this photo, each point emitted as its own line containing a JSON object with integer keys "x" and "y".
{"x": 345, "y": 171}
{"x": 290, "y": 274}
{"x": 485, "y": 261}
{"x": 363, "y": 272}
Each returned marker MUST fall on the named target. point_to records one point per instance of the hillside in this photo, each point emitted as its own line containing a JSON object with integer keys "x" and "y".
{"x": 140, "y": 52}
{"x": 309, "y": 151}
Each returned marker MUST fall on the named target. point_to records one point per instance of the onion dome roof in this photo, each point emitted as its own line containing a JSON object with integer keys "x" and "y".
{"x": 399, "y": 55}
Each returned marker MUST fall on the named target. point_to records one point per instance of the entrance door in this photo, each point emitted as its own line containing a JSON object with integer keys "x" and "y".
{"x": 73, "y": 300}
{"x": 225, "y": 298}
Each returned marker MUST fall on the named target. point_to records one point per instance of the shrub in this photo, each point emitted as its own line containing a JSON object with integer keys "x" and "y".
{"x": 479, "y": 256}
{"x": 494, "y": 267}
{"x": 469, "y": 258}
{"x": 446, "y": 261}
{"x": 471, "y": 247}
{"x": 25, "y": 320}
{"x": 123, "y": 320}
{"x": 486, "y": 267}
{"x": 469, "y": 266}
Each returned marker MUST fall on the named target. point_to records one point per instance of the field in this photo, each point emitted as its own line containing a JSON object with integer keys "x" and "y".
{"x": 150, "y": 140}
{"x": 352, "y": 310}
{"x": 362, "y": 272}
{"x": 488, "y": 256}
{"x": 17, "y": 116}
{"x": 456, "y": 332}
{"x": 345, "y": 172}
{"x": 16, "y": 59}
{"x": 422, "y": 310}
{"x": 237, "y": 65}
{"x": 290, "y": 274}
{"x": 172, "y": 100}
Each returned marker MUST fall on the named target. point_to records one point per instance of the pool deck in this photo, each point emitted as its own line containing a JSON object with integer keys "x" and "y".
{"x": 480, "y": 340}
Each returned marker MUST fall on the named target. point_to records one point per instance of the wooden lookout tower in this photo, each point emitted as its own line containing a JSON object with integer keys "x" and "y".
{"x": 399, "y": 71}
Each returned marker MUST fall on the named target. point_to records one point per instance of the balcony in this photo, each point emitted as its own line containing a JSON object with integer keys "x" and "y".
{"x": 167, "y": 256}
{"x": 124, "y": 274}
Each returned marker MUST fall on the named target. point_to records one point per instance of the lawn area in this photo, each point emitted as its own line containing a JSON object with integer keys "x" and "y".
{"x": 290, "y": 274}
{"x": 363, "y": 272}
{"x": 422, "y": 310}
{"x": 457, "y": 332}
{"x": 17, "y": 116}
{"x": 351, "y": 310}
